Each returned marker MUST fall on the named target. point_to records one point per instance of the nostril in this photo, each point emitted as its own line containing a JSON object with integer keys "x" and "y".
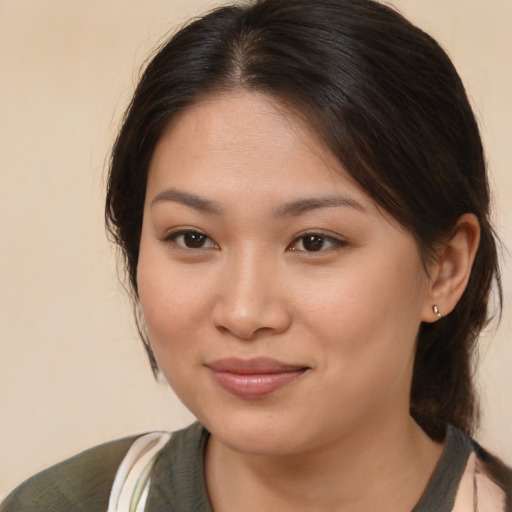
{"x": 245, "y": 334}
{"x": 244, "y": 331}
{"x": 262, "y": 330}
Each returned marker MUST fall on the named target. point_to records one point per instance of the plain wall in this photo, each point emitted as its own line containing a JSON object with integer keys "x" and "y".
{"x": 72, "y": 371}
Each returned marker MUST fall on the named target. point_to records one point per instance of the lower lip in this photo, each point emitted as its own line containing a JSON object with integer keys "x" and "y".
{"x": 255, "y": 385}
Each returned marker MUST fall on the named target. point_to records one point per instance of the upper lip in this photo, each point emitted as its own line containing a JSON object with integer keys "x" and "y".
{"x": 254, "y": 366}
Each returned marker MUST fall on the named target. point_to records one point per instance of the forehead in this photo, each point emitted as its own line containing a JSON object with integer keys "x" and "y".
{"x": 245, "y": 140}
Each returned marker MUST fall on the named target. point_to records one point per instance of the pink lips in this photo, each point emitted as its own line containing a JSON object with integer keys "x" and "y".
{"x": 253, "y": 378}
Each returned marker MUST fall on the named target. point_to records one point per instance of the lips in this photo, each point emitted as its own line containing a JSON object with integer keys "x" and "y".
{"x": 253, "y": 378}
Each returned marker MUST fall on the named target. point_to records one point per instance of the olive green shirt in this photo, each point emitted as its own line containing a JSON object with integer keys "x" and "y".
{"x": 83, "y": 483}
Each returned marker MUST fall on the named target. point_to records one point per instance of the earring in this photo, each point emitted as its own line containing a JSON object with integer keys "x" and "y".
{"x": 435, "y": 309}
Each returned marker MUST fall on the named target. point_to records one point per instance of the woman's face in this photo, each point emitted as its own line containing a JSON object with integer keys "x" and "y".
{"x": 282, "y": 305}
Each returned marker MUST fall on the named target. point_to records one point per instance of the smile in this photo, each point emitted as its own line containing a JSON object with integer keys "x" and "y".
{"x": 253, "y": 378}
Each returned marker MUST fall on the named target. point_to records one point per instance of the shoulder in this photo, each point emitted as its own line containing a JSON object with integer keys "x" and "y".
{"x": 466, "y": 477}
{"x": 177, "y": 482}
{"x": 81, "y": 483}
{"x": 491, "y": 478}
{"x": 486, "y": 481}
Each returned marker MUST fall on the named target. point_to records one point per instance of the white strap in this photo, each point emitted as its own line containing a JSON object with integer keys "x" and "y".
{"x": 477, "y": 492}
{"x": 131, "y": 484}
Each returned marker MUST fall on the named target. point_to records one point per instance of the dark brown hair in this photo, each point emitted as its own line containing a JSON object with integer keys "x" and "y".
{"x": 386, "y": 100}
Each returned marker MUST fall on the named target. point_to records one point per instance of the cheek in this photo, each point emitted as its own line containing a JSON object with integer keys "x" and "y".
{"x": 368, "y": 320}
{"x": 173, "y": 305}
{"x": 368, "y": 335}
{"x": 173, "y": 319}
{"x": 173, "y": 302}
{"x": 366, "y": 298}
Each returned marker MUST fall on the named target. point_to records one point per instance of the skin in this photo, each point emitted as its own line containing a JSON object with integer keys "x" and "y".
{"x": 251, "y": 181}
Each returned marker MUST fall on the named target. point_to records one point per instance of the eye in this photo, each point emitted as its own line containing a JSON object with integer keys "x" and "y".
{"x": 190, "y": 239}
{"x": 315, "y": 242}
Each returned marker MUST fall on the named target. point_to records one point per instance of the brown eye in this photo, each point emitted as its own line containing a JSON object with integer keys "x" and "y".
{"x": 194, "y": 240}
{"x": 316, "y": 242}
{"x": 313, "y": 243}
{"x": 191, "y": 240}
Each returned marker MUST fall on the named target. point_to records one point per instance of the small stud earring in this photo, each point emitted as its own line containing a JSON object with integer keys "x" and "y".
{"x": 435, "y": 309}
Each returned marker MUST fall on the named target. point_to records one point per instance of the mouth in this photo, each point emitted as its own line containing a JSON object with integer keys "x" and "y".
{"x": 254, "y": 378}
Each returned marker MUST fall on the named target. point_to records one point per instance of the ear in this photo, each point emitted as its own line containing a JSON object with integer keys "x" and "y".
{"x": 451, "y": 270}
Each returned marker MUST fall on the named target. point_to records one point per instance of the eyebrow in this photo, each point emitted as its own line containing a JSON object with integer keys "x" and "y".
{"x": 292, "y": 208}
{"x": 302, "y": 206}
{"x": 193, "y": 201}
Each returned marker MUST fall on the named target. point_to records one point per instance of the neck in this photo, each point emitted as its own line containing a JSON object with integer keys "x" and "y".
{"x": 372, "y": 469}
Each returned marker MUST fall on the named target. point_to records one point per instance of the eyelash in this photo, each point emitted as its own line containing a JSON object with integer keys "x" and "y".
{"x": 322, "y": 239}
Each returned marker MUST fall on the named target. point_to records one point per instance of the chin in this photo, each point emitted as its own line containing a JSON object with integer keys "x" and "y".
{"x": 263, "y": 433}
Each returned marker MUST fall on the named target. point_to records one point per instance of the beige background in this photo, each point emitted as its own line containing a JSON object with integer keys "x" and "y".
{"x": 72, "y": 372}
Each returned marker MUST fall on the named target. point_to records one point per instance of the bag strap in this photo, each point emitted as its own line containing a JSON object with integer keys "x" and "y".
{"x": 131, "y": 484}
{"x": 477, "y": 492}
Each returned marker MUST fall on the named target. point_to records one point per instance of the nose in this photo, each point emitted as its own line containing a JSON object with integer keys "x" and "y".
{"x": 251, "y": 299}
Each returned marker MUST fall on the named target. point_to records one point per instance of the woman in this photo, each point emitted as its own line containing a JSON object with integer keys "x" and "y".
{"x": 299, "y": 190}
